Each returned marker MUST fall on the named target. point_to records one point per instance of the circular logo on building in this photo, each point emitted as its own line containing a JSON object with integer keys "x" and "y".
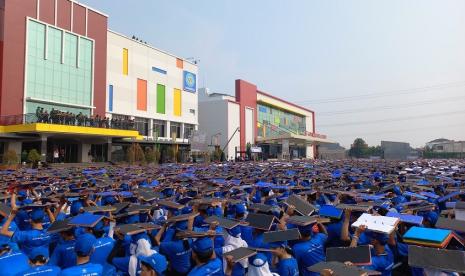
{"x": 190, "y": 80}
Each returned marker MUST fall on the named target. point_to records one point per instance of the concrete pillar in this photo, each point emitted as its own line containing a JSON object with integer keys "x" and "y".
{"x": 168, "y": 129}
{"x": 43, "y": 148}
{"x": 182, "y": 131}
{"x": 109, "y": 147}
{"x": 84, "y": 153}
{"x": 150, "y": 129}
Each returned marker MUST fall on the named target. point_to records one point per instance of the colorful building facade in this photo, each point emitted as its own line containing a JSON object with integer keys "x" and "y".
{"x": 69, "y": 85}
{"x": 279, "y": 128}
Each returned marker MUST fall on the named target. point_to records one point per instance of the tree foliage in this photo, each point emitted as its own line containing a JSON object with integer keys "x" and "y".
{"x": 360, "y": 149}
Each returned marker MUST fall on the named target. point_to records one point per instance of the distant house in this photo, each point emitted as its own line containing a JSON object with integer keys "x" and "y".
{"x": 445, "y": 146}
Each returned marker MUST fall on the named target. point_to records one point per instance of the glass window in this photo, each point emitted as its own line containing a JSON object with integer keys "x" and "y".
{"x": 175, "y": 129}
{"x": 188, "y": 130}
{"x": 158, "y": 128}
{"x": 56, "y": 75}
{"x": 142, "y": 125}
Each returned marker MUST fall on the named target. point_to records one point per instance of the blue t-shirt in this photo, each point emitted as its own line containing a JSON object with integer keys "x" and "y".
{"x": 13, "y": 228}
{"x": 102, "y": 247}
{"x": 310, "y": 252}
{"x": 88, "y": 269}
{"x": 212, "y": 268}
{"x": 288, "y": 267}
{"x": 43, "y": 270}
{"x": 27, "y": 240}
{"x": 64, "y": 255}
{"x": 178, "y": 256}
{"x": 382, "y": 263}
{"x": 12, "y": 263}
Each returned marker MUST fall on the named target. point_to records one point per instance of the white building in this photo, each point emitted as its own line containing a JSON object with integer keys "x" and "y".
{"x": 155, "y": 88}
{"x": 278, "y": 128}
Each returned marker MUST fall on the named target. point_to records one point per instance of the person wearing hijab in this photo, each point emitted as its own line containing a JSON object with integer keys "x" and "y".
{"x": 258, "y": 266}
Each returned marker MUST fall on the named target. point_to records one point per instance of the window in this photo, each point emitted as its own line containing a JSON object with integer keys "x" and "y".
{"x": 142, "y": 125}
{"x": 158, "y": 128}
{"x": 175, "y": 130}
{"x": 188, "y": 130}
{"x": 125, "y": 61}
{"x": 161, "y": 71}
{"x": 61, "y": 72}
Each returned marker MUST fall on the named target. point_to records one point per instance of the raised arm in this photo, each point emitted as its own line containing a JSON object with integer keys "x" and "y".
{"x": 7, "y": 224}
{"x": 357, "y": 234}
{"x": 345, "y": 226}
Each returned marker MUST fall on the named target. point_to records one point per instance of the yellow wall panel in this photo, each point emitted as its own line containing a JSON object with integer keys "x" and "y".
{"x": 125, "y": 61}
{"x": 177, "y": 102}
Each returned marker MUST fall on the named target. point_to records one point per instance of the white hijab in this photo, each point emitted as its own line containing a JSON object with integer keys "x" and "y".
{"x": 231, "y": 243}
{"x": 260, "y": 268}
{"x": 143, "y": 249}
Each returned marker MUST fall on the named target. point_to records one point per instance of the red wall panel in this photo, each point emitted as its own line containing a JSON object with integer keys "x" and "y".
{"x": 47, "y": 11}
{"x": 97, "y": 30}
{"x": 246, "y": 95}
{"x": 14, "y": 54}
{"x": 64, "y": 14}
{"x": 79, "y": 19}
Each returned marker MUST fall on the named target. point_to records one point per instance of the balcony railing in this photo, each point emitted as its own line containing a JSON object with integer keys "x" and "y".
{"x": 70, "y": 119}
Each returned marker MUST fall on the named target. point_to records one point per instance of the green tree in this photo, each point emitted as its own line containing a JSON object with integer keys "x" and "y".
{"x": 358, "y": 149}
{"x": 135, "y": 154}
{"x": 33, "y": 157}
{"x": 10, "y": 158}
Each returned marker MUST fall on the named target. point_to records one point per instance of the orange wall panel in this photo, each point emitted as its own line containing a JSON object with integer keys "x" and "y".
{"x": 141, "y": 95}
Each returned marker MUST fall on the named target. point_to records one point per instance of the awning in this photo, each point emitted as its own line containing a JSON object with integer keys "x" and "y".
{"x": 38, "y": 128}
{"x": 295, "y": 138}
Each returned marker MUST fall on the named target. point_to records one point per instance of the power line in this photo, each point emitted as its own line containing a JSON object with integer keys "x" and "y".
{"x": 382, "y": 94}
{"x": 395, "y": 131}
{"x": 379, "y": 108}
{"x": 394, "y": 119}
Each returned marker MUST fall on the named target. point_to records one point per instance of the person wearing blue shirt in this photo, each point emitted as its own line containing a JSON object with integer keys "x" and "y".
{"x": 287, "y": 264}
{"x": 12, "y": 261}
{"x": 63, "y": 255}
{"x": 38, "y": 259}
{"x": 310, "y": 250}
{"x": 84, "y": 248}
{"x": 207, "y": 264}
{"x": 29, "y": 239}
{"x": 382, "y": 259}
{"x": 178, "y": 252}
{"x": 103, "y": 246}
{"x": 153, "y": 265}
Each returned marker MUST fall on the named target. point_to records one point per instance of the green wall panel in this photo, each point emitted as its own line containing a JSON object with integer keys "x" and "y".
{"x": 161, "y": 94}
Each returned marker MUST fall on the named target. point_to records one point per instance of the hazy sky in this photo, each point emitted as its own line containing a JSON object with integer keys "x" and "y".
{"x": 381, "y": 70}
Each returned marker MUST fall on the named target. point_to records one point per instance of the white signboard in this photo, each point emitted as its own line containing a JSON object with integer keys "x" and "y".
{"x": 256, "y": 149}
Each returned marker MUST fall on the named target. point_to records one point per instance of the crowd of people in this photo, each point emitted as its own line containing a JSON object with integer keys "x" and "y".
{"x": 245, "y": 218}
{"x": 68, "y": 118}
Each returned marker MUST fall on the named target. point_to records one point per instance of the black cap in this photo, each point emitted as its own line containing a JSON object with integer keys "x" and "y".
{"x": 59, "y": 226}
{"x": 341, "y": 269}
{"x": 302, "y": 220}
{"x": 360, "y": 255}
{"x": 439, "y": 259}
{"x": 280, "y": 236}
{"x": 301, "y": 206}
{"x": 451, "y": 224}
{"x": 240, "y": 253}
{"x": 260, "y": 221}
{"x": 223, "y": 222}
